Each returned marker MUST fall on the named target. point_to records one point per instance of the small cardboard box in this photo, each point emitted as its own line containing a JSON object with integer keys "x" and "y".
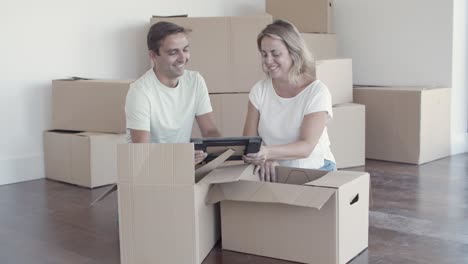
{"x": 230, "y": 61}
{"x": 230, "y": 111}
{"x": 82, "y": 158}
{"x": 406, "y": 124}
{"x": 322, "y": 46}
{"x": 337, "y": 74}
{"x": 307, "y": 216}
{"x": 310, "y": 16}
{"x": 89, "y": 105}
{"x": 347, "y": 135}
{"x": 163, "y": 217}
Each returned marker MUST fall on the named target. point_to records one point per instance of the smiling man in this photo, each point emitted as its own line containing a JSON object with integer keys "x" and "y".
{"x": 162, "y": 104}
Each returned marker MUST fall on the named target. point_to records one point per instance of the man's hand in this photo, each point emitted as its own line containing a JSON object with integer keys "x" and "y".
{"x": 258, "y": 158}
{"x": 199, "y": 156}
{"x": 267, "y": 171}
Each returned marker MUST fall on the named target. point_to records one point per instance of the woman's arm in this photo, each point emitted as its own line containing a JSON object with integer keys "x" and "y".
{"x": 251, "y": 121}
{"x": 311, "y": 129}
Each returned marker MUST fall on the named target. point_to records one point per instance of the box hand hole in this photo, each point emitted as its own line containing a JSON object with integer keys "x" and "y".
{"x": 355, "y": 199}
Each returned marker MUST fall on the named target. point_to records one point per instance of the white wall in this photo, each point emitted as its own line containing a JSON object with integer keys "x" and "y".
{"x": 396, "y": 42}
{"x": 48, "y": 39}
{"x": 409, "y": 43}
{"x": 460, "y": 78}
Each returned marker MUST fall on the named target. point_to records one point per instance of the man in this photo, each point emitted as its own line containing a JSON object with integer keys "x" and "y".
{"x": 162, "y": 104}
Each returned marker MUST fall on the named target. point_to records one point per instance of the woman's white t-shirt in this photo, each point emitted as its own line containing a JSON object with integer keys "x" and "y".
{"x": 281, "y": 119}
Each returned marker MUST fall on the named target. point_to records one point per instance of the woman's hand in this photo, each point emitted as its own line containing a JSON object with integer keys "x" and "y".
{"x": 258, "y": 158}
{"x": 267, "y": 171}
{"x": 199, "y": 156}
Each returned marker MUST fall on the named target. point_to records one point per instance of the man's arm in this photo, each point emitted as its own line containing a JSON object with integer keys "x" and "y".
{"x": 207, "y": 125}
{"x": 140, "y": 136}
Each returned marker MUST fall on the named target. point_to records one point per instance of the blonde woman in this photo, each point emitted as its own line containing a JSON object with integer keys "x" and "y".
{"x": 290, "y": 108}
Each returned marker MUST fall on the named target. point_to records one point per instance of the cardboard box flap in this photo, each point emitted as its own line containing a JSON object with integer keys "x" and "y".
{"x": 101, "y": 197}
{"x": 267, "y": 192}
{"x": 207, "y": 168}
{"x": 231, "y": 174}
{"x": 298, "y": 176}
{"x": 336, "y": 179}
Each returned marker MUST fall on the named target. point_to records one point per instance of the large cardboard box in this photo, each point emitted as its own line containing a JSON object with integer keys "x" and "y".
{"x": 82, "y": 158}
{"x": 230, "y": 111}
{"x": 307, "y": 15}
{"x": 308, "y": 216}
{"x": 224, "y": 50}
{"x": 406, "y": 124}
{"x": 322, "y": 46}
{"x": 163, "y": 217}
{"x": 347, "y": 135}
{"x": 337, "y": 74}
{"x": 89, "y": 105}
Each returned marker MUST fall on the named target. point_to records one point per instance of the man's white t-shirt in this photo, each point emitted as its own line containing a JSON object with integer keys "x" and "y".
{"x": 281, "y": 119}
{"x": 168, "y": 113}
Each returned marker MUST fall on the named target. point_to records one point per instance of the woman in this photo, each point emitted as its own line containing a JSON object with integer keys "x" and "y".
{"x": 290, "y": 108}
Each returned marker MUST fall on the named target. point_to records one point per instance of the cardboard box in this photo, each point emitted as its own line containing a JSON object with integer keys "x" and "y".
{"x": 347, "y": 135}
{"x": 163, "y": 217}
{"x": 89, "y": 105}
{"x": 308, "y": 216}
{"x": 322, "y": 46}
{"x": 82, "y": 158}
{"x": 230, "y": 60}
{"x": 406, "y": 124}
{"x": 337, "y": 74}
{"x": 311, "y": 16}
{"x": 230, "y": 111}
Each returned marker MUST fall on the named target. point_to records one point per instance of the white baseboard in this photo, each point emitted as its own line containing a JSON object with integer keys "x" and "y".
{"x": 21, "y": 169}
{"x": 459, "y": 143}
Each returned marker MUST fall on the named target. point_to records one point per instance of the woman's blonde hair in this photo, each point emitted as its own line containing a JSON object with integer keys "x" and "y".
{"x": 302, "y": 60}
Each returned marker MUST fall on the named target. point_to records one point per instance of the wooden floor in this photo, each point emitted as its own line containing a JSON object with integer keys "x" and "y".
{"x": 419, "y": 215}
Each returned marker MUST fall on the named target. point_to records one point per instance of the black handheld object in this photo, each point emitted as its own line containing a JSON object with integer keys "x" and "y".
{"x": 216, "y": 146}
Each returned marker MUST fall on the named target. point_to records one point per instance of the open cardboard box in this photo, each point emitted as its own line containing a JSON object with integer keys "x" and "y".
{"x": 168, "y": 211}
{"x": 308, "y": 216}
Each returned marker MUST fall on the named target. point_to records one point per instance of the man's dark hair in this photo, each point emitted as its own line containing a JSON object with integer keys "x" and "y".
{"x": 161, "y": 30}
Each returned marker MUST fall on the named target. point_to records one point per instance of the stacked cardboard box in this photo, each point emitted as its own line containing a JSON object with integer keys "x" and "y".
{"x": 307, "y": 15}
{"x": 88, "y": 121}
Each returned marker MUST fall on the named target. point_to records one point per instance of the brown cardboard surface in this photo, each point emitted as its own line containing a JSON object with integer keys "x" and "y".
{"x": 89, "y": 105}
{"x": 251, "y": 213}
{"x": 400, "y": 123}
{"x": 307, "y": 15}
{"x": 322, "y": 46}
{"x": 163, "y": 217}
{"x": 337, "y": 74}
{"x": 229, "y": 61}
{"x": 246, "y": 59}
{"x": 230, "y": 111}
{"x": 347, "y": 135}
{"x": 84, "y": 159}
